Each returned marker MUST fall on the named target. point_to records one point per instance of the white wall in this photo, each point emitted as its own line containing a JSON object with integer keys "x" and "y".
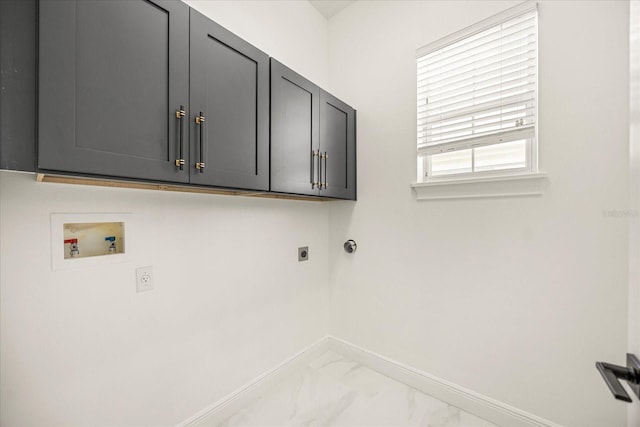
{"x": 634, "y": 195}
{"x": 513, "y": 298}
{"x": 230, "y": 301}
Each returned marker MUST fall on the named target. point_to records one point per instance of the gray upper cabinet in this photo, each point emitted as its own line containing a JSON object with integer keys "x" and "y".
{"x": 153, "y": 90}
{"x": 337, "y": 148}
{"x": 295, "y": 132}
{"x": 229, "y": 114}
{"x": 112, "y": 75}
{"x": 18, "y": 84}
{"x": 313, "y": 138}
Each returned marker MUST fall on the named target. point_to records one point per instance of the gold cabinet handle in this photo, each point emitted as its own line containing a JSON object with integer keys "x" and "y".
{"x": 200, "y": 122}
{"x": 324, "y": 158}
{"x": 179, "y": 115}
{"x": 313, "y": 181}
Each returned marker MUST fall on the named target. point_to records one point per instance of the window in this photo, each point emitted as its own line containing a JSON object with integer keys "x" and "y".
{"x": 476, "y": 93}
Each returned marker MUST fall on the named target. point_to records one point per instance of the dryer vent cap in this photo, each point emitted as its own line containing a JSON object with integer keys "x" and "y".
{"x": 350, "y": 246}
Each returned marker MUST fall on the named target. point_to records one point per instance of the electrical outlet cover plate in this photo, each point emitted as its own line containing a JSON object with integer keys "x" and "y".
{"x": 303, "y": 253}
{"x": 144, "y": 278}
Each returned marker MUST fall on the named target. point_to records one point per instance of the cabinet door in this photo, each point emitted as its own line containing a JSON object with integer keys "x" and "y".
{"x": 230, "y": 89}
{"x": 112, "y": 75}
{"x": 294, "y": 132}
{"x": 18, "y": 30}
{"x": 337, "y": 148}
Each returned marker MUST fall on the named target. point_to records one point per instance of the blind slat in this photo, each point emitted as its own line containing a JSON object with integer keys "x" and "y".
{"x": 478, "y": 141}
{"x": 512, "y": 119}
{"x": 456, "y": 134}
{"x": 522, "y": 43}
{"x": 480, "y": 95}
{"x": 498, "y": 60}
{"x": 530, "y": 111}
{"x": 471, "y": 78}
{"x": 471, "y": 84}
{"x": 509, "y": 101}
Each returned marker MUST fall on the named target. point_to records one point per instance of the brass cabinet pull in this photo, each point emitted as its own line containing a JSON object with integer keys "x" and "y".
{"x": 314, "y": 154}
{"x": 319, "y": 170}
{"x": 200, "y": 121}
{"x": 325, "y": 157}
{"x": 179, "y": 115}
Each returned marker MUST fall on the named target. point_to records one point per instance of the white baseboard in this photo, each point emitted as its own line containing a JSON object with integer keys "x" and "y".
{"x": 475, "y": 403}
{"x": 485, "y": 407}
{"x": 233, "y": 402}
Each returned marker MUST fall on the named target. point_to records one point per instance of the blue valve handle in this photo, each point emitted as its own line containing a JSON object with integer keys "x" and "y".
{"x": 110, "y": 238}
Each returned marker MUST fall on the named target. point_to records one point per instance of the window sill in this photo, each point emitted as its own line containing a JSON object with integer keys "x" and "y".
{"x": 521, "y": 185}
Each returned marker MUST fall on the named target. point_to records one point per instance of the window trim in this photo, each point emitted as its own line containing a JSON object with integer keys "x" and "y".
{"x": 531, "y": 153}
{"x": 474, "y": 187}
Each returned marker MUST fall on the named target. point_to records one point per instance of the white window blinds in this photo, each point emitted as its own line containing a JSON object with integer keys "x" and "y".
{"x": 479, "y": 89}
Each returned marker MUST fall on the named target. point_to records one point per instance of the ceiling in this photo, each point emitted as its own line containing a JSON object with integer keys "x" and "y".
{"x": 330, "y": 7}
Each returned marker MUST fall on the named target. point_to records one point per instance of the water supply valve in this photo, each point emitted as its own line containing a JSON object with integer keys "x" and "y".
{"x": 74, "y": 248}
{"x": 112, "y": 246}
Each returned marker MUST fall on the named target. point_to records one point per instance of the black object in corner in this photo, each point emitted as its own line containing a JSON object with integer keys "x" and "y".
{"x": 613, "y": 373}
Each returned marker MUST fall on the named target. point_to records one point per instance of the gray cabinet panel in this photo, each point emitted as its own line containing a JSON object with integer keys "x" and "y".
{"x": 112, "y": 75}
{"x": 338, "y": 143}
{"x": 106, "y": 89}
{"x": 307, "y": 121}
{"x": 18, "y": 84}
{"x": 294, "y": 132}
{"x": 230, "y": 87}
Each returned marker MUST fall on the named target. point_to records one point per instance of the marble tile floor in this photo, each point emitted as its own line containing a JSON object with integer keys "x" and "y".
{"x": 335, "y": 391}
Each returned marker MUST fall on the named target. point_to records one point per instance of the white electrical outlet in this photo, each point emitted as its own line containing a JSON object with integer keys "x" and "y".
{"x": 144, "y": 278}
